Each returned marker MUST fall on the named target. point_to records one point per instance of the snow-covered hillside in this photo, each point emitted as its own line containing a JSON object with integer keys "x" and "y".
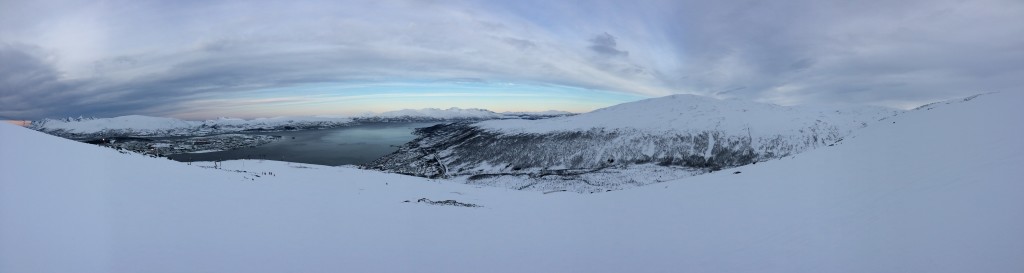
{"x": 933, "y": 190}
{"x": 680, "y": 131}
{"x": 689, "y": 113}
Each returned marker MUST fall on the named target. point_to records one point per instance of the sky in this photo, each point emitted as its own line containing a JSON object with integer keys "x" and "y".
{"x": 205, "y": 59}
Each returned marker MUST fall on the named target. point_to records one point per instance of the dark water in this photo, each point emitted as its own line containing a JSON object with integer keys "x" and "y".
{"x": 339, "y": 146}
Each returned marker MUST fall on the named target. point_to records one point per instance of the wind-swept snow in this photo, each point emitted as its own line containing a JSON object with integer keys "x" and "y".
{"x": 932, "y": 190}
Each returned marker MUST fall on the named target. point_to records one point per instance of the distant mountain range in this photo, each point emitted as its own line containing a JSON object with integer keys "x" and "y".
{"x": 136, "y": 125}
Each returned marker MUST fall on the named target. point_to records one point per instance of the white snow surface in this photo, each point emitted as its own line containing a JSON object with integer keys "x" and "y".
{"x": 938, "y": 190}
{"x": 689, "y": 113}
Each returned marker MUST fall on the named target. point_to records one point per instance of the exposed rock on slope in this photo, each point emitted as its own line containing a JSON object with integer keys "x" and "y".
{"x": 675, "y": 131}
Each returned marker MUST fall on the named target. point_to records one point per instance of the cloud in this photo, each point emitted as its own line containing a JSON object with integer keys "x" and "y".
{"x": 605, "y": 44}
{"x": 79, "y": 57}
{"x": 520, "y": 43}
{"x": 794, "y": 52}
{"x": 27, "y": 81}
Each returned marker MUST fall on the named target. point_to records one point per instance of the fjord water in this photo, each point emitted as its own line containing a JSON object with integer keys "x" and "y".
{"x": 355, "y": 144}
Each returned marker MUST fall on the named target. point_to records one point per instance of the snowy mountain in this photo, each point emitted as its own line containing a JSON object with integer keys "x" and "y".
{"x": 689, "y": 113}
{"x": 685, "y": 134}
{"x": 537, "y": 115}
{"x": 933, "y": 190}
{"x": 135, "y": 125}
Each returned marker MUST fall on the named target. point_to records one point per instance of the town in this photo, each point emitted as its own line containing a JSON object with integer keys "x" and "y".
{"x": 163, "y": 147}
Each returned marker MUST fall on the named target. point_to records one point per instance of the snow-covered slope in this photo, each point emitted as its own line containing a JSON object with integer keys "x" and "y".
{"x": 674, "y": 131}
{"x": 687, "y": 113}
{"x": 936, "y": 190}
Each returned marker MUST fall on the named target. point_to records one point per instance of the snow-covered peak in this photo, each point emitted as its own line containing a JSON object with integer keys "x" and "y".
{"x": 96, "y": 125}
{"x": 684, "y": 113}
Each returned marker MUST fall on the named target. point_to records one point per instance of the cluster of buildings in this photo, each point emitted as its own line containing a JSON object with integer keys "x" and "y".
{"x": 162, "y": 147}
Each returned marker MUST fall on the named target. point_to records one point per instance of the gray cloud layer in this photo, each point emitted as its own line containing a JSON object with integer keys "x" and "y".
{"x": 605, "y": 44}
{"x": 891, "y": 52}
{"x": 112, "y": 58}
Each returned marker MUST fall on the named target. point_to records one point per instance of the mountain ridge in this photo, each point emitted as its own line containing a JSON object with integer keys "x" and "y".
{"x": 684, "y": 134}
